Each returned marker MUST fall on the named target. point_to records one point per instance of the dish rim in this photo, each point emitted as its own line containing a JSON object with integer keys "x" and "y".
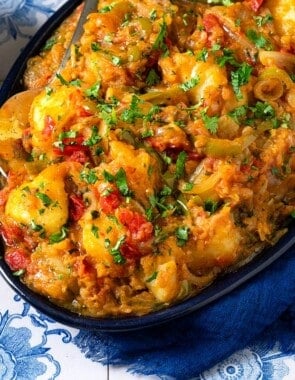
{"x": 219, "y": 288}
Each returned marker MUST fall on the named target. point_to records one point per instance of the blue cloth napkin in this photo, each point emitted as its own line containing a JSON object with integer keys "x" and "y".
{"x": 185, "y": 347}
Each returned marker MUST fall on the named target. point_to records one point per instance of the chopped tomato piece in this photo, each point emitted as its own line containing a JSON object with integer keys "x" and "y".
{"x": 130, "y": 251}
{"x": 140, "y": 229}
{"x": 256, "y": 4}
{"x": 110, "y": 202}
{"x": 85, "y": 268}
{"x": 77, "y": 207}
{"x": 12, "y": 234}
{"x": 77, "y": 153}
{"x": 84, "y": 111}
{"x": 17, "y": 258}
{"x": 49, "y": 126}
{"x": 213, "y": 29}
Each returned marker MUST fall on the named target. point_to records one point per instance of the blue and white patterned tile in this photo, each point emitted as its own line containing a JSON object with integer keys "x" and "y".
{"x": 19, "y": 21}
{"x": 33, "y": 346}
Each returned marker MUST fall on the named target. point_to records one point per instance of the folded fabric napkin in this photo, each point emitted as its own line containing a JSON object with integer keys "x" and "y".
{"x": 185, "y": 347}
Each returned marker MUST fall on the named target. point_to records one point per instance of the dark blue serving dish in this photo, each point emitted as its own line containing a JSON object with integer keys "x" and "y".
{"x": 218, "y": 289}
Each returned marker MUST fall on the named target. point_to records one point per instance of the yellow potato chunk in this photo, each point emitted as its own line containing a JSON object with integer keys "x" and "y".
{"x": 50, "y": 114}
{"x": 98, "y": 237}
{"x": 41, "y": 202}
{"x": 51, "y": 271}
{"x": 283, "y": 12}
{"x": 141, "y": 168}
{"x": 219, "y": 246}
{"x": 181, "y": 68}
{"x": 161, "y": 277}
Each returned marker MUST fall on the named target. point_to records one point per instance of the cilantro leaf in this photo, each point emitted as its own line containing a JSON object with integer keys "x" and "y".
{"x": 115, "y": 251}
{"x": 210, "y": 122}
{"x": 189, "y": 84}
{"x": 121, "y": 182}
{"x": 182, "y": 235}
{"x": 89, "y": 176}
{"x": 49, "y": 43}
{"x": 159, "y": 43}
{"x": 94, "y": 138}
{"x": 180, "y": 164}
{"x": 263, "y": 110}
{"x": 134, "y": 112}
{"x": 44, "y": 198}
{"x": 152, "y": 78}
{"x": 258, "y": 39}
{"x": 58, "y": 236}
{"x": 74, "y": 82}
{"x": 93, "y": 91}
{"x": 240, "y": 77}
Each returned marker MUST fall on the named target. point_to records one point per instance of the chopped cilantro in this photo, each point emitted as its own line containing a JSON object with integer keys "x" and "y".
{"x": 19, "y": 272}
{"x": 59, "y": 236}
{"x": 211, "y": 206}
{"x": 89, "y": 176}
{"x": 152, "y": 112}
{"x": 121, "y": 182}
{"x": 180, "y": 164}
{"x": 115, "y": 251}
{"x": 152, "y": 277}
{"x": 108, "y": 176}
{"x": 117, "y": 61}
{"x": 159, "y": 43}
{"x": 182, "y": 235}
{"x": 131, "y": 114}
{"x": 152, "y": 78}
{"x": 36, "y": 227}
{"x": 93, "y": 91}
{"x": 48, "y": 90}
{"x": 108, "y": 112}
{"x": 258, "y": 39}
{"x": 210, "y": 122}
{"x": 95, "y": 231}
{"x": 44, "y": 198}
{"x": 189, "y": 84}
{"x": 147, "y": 133}
{"x": 239, "y": 113}
{"x": 263, "y": 110}
{"x": 95, "y": 46}
{"x": 153, "y": 15}
{"x": 188, "y": 186}
{"x": 106, "y": 9}
{"x": 240, "y": 77}
{"x": 94, "y": 138}
{"x": 49, "y": 43}
{"x": 202, "y": 55}
{"x": 263, "y": 20}
{"x": 75, "y": 82}
{"x": 227, "y": 58}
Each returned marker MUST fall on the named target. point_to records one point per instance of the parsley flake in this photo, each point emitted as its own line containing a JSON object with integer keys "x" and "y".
{"x": 189, "y": 84}
{"x": 59, "y": 236}
{"x": 210, "y": 122}
{"x": 180, "y": 164}
{"x": 240, "y": 77}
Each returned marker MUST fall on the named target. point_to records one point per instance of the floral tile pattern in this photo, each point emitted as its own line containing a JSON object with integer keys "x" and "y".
{"x": 19, "y": 20}
{"x": 33, "y": 346}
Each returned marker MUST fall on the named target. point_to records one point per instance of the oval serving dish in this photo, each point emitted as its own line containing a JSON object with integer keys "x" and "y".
{"x": 218, "y": 289}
